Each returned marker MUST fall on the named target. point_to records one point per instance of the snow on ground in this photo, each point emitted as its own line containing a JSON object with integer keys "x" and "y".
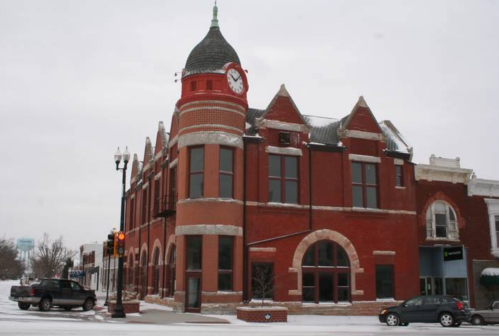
{"x": 13, "y": 321}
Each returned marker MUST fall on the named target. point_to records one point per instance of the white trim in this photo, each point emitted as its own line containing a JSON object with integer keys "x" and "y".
{"x": 173, "y": 141}
{"x": 493, "y": 210}
{"x": 158, "y": 176}
{"x": 148, "y": 165}
{"x": 133, "y": 196}
{"x": 212, "y": 125}
{"x": 208, "y": 200}
{"x": 398, "y": 162}
{"x": 158, "y": 156}
{"x": 283, "y": 150}
{"x": 364, "y": 135}
{"x": 399, "y": 187}
{"x": 482, "y": 187}
{"x": 145, "y": 186}
{"x": 384, "y": 253}
{"x": 212, "y": 138}
{"x": 281, "y": 125}
{"x": 364, "y": 158}
{"x": 209, "y": 229}
{"x": 173, "y": 163}
{"x": 263, "y": 249}
{"x": 204, "y": 108}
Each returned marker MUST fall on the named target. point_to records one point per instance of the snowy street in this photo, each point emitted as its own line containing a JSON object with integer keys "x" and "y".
{"x": 157, "y": 320}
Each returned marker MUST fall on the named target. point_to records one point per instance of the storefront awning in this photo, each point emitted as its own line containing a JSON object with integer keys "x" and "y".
{"x": 490, "y": 276}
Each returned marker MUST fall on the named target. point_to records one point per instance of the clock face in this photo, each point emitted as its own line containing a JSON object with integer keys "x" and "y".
{"x": 235, "y": 81}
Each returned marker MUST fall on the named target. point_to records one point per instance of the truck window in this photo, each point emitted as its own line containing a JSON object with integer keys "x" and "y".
{"x": 75, "y": 286}
{"x": 65, "y": 285}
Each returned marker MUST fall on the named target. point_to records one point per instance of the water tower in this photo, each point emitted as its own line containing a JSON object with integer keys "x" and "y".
{"x": 25, "y": 246}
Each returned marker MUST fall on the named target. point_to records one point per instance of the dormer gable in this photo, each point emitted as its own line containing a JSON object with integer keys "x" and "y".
{"x": 361, "y": 119}
{"x": 148, "y": 153}
{"x": 283, "y": 111}
{"x": 135, "y": 169}
{"x": 161, "y": 148}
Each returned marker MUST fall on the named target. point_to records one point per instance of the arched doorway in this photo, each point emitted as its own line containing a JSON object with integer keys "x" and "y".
{"x": 143, "y": 275}
{"x": 130, "y": 275}
{"x": 155, "y": 273}
{"x": 326, "y": 273}
{"x": 171, "y": 271}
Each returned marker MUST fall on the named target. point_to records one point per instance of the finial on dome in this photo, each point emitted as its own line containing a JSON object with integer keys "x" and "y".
{"x": 214, "y": 21}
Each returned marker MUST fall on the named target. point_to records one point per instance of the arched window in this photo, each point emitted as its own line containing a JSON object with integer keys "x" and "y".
{"x": 143, "y": 275}
{"x": 171, "y": 271}
{"x": 441, "y": 221}
{"x": 326, "y": 273}
{"x": 156, "y": 272}
{"x": 130, "y": 266}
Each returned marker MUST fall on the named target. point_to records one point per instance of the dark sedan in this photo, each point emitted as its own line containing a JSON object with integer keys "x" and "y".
{"x": 448, "y": 311}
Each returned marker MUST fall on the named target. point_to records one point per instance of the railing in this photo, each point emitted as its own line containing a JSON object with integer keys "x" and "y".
{"x": 165, "y": 206}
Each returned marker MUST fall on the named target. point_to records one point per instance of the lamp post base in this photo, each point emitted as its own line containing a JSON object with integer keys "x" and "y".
{"x": 118, "y": 312}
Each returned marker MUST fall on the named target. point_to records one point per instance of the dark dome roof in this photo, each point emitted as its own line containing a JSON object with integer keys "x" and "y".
{"x": 211, "y": 54}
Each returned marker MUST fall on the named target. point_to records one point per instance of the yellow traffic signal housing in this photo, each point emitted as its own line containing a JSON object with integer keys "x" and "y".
{"x": 115, "y": 251}
{"x": 120, "y": 243}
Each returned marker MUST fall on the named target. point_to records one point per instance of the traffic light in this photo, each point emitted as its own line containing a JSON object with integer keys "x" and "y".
{"x": 110, "y": 243}
{"x": 120, "y": 243}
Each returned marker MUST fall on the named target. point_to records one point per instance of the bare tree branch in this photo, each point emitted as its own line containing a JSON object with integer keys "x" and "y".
{"x": 50, "y": 257}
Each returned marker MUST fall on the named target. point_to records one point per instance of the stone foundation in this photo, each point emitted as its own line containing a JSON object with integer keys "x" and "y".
{"x": 262, "y": 314}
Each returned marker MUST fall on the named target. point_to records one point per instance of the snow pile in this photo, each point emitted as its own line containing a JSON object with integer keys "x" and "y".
{"x": 490, "y": 272}
{"x": 319, "y": 121}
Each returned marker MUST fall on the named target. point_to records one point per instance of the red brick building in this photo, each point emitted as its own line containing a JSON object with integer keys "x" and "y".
{"x": 326, "y": 211}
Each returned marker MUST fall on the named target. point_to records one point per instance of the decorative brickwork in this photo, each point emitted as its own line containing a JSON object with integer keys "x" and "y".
{"x": 262, "y": 314}
{"x": 129, "y": 307}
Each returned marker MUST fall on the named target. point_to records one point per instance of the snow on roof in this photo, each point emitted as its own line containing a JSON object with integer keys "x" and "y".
{"x": 490, "y": 272}
{"x": 395, "y": 141}
{"x": 319, "y": 121}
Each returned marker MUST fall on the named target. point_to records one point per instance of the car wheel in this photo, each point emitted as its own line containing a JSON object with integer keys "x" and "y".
{"x": 446, "y": 320}
{"x": 392, "y": 320}
{"x": 44, "y": 304}
{"x": 88, "y": 305}
{"x": 477, "y": 320}
{"x": 68, "y": 308}
{"x": 23, "y": 305}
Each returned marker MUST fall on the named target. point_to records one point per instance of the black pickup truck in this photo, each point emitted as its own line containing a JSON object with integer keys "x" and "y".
{"x": 48, "y": 293}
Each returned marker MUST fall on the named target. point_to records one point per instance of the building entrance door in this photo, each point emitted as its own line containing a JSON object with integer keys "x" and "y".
{"x": 431, "y": 286}
{"x": 193, "y": 293}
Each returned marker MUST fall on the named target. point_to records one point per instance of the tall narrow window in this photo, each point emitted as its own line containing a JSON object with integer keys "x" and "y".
{"x": 194, "y": 252}
{"x": 441, "y": 221}
{"x": 364, "y": 185}
{"x": 497, "y": 230}
{"x": 196, "y": 172}
{"x": 225, "y": 262}
{"x": 193, "y": 85}
{"x": 399, "y": 177}
{"x": 209, "y": 84}
{"x": 132, "y": 214}
{"x": 384, "y": 281}
{"x": 226, "y": 184}
{"x": 283, "y": 179}
{"x": 144, "y": 205}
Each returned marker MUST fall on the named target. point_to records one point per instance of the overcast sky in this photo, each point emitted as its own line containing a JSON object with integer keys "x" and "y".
{"x": 79, "y": 78}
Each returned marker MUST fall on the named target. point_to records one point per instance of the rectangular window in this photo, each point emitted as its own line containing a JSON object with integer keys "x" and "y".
{"x": 384, "y": 281}
{"x": 497, "y": 232}
{"x": 196, "y": 172}
{"x": 226, "y": 182}
{"x": 457, "y": 287}
{"x": 132, "y": 214}
{"x": 225, "y": 262}
{"x": 193, "y": 85}
{"x": 399, "y": 176}
{"x": 194, "y": 246}
{"x": 262, "y": 280}
{"x": 283, "y": 179}
{"x": 144, "y": 205}
{"x": 209, "y": 85}
{"x": 364, "y": 185}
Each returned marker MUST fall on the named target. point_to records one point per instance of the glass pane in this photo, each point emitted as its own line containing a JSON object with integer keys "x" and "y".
{"x": 291, "y": 166}
{"x": 262, "y": 282}
{"x": 357, "y": 197}
{"x": 325, "y": 254}
{"x": 309, "y": 259}
{"x": 343, "y": 294}
{"x": 275, "y": 191}
{"x": 343, "y": 279}
{"x": 225, "y": 282}
{"x": 441, "y": 232}
{"x": 398, "y": 181}
{"x": 309, "y": 294}
{"x": 414, "y": 302}
{"x": 372, "y": 197}
{"x": 226, "y": 186}
{"x": 308, "y": 280}
{"x": 384, "y": 281}
{"x": 356, "y": 172}
{"x": 197, "y": 159}
{"x": 193, "y": 292}
{"x": 439, "y": 207}
{"x": 422, "y": 286}
{"x": 441, "y": 219}
{"x": 342, "y": 258}
{"x": 370, "y": 173}
{"x": 451, "y": 215}
{"x": 225, "y": 251}
{"x": 196, "y": 186}
{"x": 456, "y": 287}
{"x": 274, "y": 165}
{"x": 325, "y": 287}
{"x": 194, "y": 251}
{"x": 438, "y": 286}
{"x": 226, "y": 160}
{"x": 291, "y": 192}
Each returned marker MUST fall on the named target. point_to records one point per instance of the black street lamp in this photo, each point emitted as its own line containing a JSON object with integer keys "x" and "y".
{"x": 118, "y": 308}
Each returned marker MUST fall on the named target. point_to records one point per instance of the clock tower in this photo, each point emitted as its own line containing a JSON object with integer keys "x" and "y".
{"x": 211, "y": 116}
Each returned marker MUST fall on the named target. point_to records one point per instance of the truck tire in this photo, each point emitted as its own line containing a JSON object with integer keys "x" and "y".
{"x": 88, "y": 305}
{"x": 45, "y": 304}
{"x": 23, "y": 305}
